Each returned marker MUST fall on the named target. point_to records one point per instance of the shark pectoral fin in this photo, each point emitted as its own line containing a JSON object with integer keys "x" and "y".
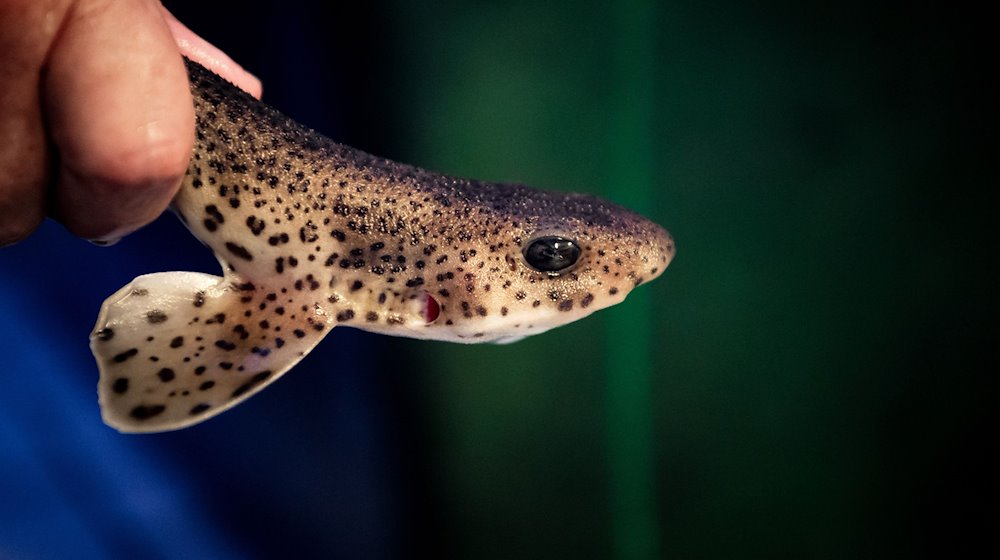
{"x": 176, "y": 348}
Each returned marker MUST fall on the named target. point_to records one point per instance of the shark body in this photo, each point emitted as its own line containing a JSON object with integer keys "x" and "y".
{"x": 312, "y": 234}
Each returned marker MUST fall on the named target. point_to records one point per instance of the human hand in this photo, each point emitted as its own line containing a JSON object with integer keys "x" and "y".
{"x": 96, "y": 118}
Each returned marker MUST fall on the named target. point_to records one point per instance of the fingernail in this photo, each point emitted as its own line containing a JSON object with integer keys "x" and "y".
{"x": 208, "y": 55}
{"x": 105, "y": 242}
{"x": 112, "y": 237}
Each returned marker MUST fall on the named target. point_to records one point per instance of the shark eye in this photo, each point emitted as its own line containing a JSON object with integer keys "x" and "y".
{"x": 552, "y": 253}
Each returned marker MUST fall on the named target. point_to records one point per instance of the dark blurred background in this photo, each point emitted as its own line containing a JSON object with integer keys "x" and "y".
{"x": 811, "y": 378}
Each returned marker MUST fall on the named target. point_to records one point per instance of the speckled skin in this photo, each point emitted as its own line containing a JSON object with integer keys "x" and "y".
{"x": 313, "y": 234}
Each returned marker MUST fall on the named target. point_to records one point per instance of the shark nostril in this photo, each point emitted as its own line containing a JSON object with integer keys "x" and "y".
{"x": 431, "y": 308}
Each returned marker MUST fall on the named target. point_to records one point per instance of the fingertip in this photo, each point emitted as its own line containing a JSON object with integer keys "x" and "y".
{"x": 208, "y": 55}
{"x": 103, "y": 209}
{"x": 114, "y": 188}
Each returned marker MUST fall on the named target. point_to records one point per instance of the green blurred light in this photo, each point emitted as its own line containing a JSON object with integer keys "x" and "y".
{"x": 629, "y": 353}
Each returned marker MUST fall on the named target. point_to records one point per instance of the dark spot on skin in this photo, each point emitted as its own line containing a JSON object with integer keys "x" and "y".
{"x": 587, "y": 300}
{"x": 199, "y": 408}
{"x": 357, "y": 285}
{"x": 371, "y": 317}
{"x": 166, "y": 374}
{"x": 503, "y": 311}
{"x": 307, "y": 233}
{"x": 105, "y": 335}
{"x": 613, "y": 291}
{"x": 257, "y": 379}
{"x": 279, "y": 342}
{"x": 566, "y": 305}
{"x": 481, "y": 311}
{"x": 277, "y": 239}
{"x": 145, "y": 412}
{"x": 119, "y": 358}
{"x": 206, "y": 385}
{"x": 225, "y": 345}
{"x": 239, "y": 250}
{"x": 242, "y": 332}
{"x": 217, "y": 318}
{"x": 255, "y": 224}
{"x": 120, "y": 385}
{"x": 199, "y": 370}
{"x": 199, "y": 299}
{"x": 226, "y": 365}
{"x": 212, "y": 211}
{"x": 536, "y": 303}
{"x": 177, "y": 342}
{"x": 345, "y": 315}
{"x": 299, "y": 333}
{"x": 156, "y": 316}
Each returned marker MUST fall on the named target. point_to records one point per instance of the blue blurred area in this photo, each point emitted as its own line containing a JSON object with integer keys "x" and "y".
{"x": 106, "y": 495}
{"x": 62, "y": 473}
{"x": 304, "y": 467}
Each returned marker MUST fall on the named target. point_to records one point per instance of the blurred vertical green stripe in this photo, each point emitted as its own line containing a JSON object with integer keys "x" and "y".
{"x": 629, "y": 359}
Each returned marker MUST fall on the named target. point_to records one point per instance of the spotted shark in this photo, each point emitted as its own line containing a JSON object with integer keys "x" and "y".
{"x": 312, "y": 234}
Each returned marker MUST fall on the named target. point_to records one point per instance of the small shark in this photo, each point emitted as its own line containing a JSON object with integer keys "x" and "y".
{"x": 312, "y": 234}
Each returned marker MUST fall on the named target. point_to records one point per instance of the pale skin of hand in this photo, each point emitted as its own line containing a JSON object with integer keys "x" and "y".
{"x": 96, "y": 118}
